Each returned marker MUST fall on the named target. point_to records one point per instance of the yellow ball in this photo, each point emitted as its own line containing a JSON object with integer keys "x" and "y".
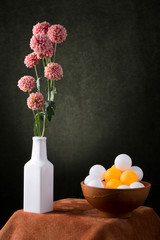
{"x": 113, "y": 183}
{"x": 113, "y": 166}
{"x": 112, "y": 173}
{"x": 128, "y": 177}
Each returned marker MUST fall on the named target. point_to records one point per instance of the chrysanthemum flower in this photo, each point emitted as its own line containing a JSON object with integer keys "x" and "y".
{"x": 57, "y": 33}
{"x": 26, "y": 83}
{"x": 35, "y": 101}
{"x": 42, "y": 45}
{"x": 53, "y": 71}
{"x": 41, "y": 28}
{"x": 31, "y": 60}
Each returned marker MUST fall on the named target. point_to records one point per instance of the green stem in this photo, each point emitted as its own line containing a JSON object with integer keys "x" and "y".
{"x": 46, "y": 61}
{"x": 36, "y": 71}
{"x": 53, "y": 89}
{"x": 53, "y": 81}
{"x": 39, "y": 125}
{"x": 44, "y": 122}
{"x": 43, "y": 62}
{"x": 44, "y": 125}
{"x": 49, "y": 90}
{"x": 34, "y": 116}
{"x": 36, "y": 124}
{"x": 55, "y": 49}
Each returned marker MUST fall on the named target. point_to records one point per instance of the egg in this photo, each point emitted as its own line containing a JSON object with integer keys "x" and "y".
{"x": 97, "y": 171}
{"x": 95, "y": 183}
{"x": 136, "y": 185}
{"x": 123, "y": 187}
{"x": 90, "y": 178}
{"x": 138, "y": 171}
{"x": 123, "y": 162}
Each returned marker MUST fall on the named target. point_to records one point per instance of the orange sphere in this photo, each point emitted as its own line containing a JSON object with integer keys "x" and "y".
{"x": 128, "y": 177}
{"x": 113, "y": 166}
{"x": 112, "y": 173}
{"x": 113, "y": 183}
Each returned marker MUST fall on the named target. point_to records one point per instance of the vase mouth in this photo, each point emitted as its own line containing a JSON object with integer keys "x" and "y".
{"x": 39, "y": 138}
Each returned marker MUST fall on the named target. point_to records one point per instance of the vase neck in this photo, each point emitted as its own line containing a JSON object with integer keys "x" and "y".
{"x": 39, "y": 151}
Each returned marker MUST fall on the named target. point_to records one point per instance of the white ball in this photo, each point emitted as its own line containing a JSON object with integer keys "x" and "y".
{"x": 138, "y": 172}
{"x": 97, "y": 171}
{"x": 123, "y": 162}
{"x": 136, "y": 185}
{"x": 95, "y": 183}
{"x": 90, "y": 178}
{"x": 123, "y": 187}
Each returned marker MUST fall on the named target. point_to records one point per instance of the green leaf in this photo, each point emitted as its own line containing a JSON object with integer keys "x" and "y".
{"x": 46, "y": 104}
{"x": 41, "y": 115}
{"x": 50, "y": 113}
{"x": 38, "y": 82}
{"x": 50, "y": 107}
{"x": 52, "y": 104}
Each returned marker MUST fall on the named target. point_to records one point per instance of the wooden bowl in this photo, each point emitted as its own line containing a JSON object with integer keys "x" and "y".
{"x": 115, "y": 202}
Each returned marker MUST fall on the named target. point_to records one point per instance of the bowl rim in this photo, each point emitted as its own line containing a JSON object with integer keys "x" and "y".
{"x": 118, "y": 189}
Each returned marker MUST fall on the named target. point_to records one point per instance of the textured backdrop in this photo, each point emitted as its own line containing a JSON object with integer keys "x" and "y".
{"x": 107, "y": 102}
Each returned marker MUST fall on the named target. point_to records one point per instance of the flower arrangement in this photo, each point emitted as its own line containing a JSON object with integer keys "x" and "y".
{"x": 44, "y": 43}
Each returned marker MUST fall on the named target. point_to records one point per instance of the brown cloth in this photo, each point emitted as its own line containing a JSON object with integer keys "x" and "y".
{"x": 75, "y": 219}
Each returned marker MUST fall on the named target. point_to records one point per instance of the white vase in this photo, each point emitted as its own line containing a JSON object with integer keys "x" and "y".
{"x": 38, "y": 179}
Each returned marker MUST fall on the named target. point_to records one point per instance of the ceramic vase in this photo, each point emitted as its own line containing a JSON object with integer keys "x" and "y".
{"x": 38, "y": 179}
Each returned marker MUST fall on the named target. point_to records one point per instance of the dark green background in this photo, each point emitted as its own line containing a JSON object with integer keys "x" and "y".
{"x": 108, "y": 100}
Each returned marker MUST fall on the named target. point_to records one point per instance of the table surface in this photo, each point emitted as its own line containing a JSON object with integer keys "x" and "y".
{"x": 75, "y": 219}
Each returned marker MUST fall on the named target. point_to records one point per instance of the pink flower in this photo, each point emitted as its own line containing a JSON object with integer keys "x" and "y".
{"x": 57, "y": 33}
{"x": 42, "y": 45}
{"x": 48, "y": 53}
{"x": 26, "y": 83}
{"x": 31, "y": 60}
{"x": 53, "y": 71}
{"x": 41, "y": 28}
{"x": 35, "y": 101}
